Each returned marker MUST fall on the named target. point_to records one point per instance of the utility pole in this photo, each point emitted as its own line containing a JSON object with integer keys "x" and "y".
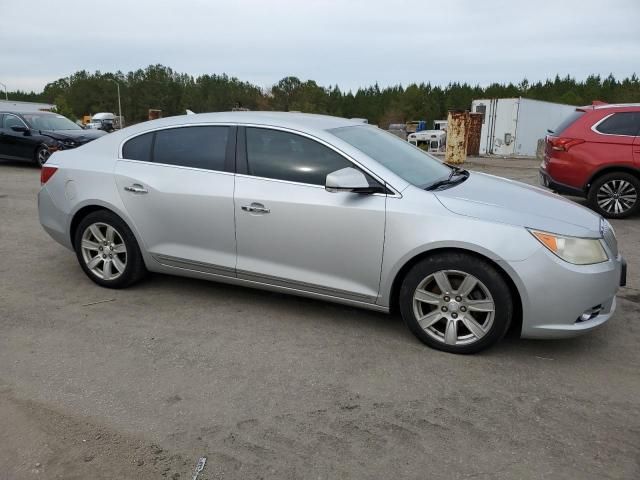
{"x": 119, "y": 104}
{"x": 5, "y": 91}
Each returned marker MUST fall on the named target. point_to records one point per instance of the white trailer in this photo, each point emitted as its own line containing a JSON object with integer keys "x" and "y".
{"x": 513, "y": 126}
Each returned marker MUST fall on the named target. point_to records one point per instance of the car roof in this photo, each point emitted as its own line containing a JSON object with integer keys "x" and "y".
{"x": 38, "y": 112}
{"x": 610, "y": 106}
{"x": 283, "y": 119}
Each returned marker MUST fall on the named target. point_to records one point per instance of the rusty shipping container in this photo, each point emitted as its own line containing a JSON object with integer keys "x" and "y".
{"x": 457, "y": 136}
{"x": 474, "y": 129}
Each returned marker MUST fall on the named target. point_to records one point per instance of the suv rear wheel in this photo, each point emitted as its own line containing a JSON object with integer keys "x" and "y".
{"x": 615, "y": 195}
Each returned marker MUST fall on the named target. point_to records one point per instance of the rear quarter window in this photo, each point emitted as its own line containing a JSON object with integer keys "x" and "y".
{"x": 138, "y": 148}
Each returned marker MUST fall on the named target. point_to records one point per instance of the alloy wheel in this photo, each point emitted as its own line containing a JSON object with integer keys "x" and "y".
{"x": 43, "y": 155}
{"x": 454, "y": 307}
{"x": 617, "y": 196}
{"x": 104, "y": 251}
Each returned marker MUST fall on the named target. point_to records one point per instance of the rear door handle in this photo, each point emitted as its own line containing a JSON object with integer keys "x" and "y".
{"x": 255, "y": 208}
{"x": 136, "y": 188}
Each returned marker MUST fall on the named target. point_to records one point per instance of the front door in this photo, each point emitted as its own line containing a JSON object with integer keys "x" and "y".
{"x": 177, "y": 187}
{"x": 293, "y": 233}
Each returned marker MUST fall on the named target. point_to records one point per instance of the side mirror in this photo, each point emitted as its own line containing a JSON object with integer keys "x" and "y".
{"x": 20, "y": 128}
{"x": 350, "y": 180}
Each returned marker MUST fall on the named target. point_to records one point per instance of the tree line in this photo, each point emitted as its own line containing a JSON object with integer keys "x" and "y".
{"x": 160, "y": 87}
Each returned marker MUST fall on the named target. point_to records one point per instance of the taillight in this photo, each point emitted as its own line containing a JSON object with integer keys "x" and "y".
{"x": 46, "y": 173}
{"x": 563, "y": 144}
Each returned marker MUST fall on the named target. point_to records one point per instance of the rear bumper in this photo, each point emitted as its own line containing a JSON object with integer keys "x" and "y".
{"x": 547, "y": 181}
{"x": 565, "y": 300}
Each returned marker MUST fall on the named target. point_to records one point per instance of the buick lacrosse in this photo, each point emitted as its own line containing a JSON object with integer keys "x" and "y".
{"x": 333, "y": 209}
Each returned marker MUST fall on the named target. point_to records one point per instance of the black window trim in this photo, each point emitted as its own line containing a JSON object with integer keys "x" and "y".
{"x": 230, "y": 148}
{"x": 594, "y": 127}
{"x": 242, "y": 164}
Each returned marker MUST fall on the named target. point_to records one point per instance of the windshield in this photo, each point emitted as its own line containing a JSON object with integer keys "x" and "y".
{"x": 50, "y": 122}
{"x": 408, "y": 162}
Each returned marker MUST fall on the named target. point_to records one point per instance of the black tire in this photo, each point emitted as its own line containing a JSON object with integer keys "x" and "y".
{"x": 598, "y": 193}
{"x": 134, "y": 268}
{"x": 490, "y": 280}
{"x": 41, "y": 155}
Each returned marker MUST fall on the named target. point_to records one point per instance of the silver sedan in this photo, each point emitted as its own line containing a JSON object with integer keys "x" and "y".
{"x": 333, "y": 209}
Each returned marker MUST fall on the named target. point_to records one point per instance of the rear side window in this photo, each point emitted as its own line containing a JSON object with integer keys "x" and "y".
{"x": 287, "y": 156}
{"x": 622, "y": 123}
{"x": 198, "y": 147}
{"x": 567, "y": 122}
{"x": 138, "y": 148}
{"x": 11, "y": 121}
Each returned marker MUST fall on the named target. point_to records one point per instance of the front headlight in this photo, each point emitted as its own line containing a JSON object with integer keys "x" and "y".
{"x": 579, "y": 251}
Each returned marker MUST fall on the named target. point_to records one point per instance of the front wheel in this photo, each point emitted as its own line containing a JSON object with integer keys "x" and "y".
{"x": 42, "y": 155}
{"x": 107, "y": 250}
{"x": 615, "y": 195}
{"x": 456, "y": 302}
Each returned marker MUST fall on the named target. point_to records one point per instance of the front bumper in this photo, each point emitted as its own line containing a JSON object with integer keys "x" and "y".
{"x": 564, "y": 300}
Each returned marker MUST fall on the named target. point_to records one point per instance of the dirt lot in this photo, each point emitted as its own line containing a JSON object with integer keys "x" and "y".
{"x": 139, "y": 383}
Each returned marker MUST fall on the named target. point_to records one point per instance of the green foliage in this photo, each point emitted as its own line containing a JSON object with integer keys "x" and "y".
{"x": 63, "y": 108}
{"x": 160, "y": 87}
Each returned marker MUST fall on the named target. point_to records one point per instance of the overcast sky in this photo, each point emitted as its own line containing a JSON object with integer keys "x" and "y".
{"x": 351, "y": 43}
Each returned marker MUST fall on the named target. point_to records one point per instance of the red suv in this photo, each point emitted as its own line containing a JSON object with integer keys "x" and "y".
{"x": 595, "y": 153}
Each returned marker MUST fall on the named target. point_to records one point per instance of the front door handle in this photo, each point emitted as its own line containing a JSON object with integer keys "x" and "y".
{"x": 136, "y": 188}
{"x": 255, "y": 208}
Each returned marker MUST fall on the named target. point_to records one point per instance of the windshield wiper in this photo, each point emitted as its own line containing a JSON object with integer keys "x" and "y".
{"x": 456, "y": 175}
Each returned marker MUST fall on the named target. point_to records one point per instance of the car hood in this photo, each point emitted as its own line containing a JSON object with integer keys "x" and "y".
{"x": 500, "y": 200}
{"x": 80, "y": 136}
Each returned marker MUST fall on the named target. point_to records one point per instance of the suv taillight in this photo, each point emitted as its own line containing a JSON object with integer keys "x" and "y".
{"x": 563, "y": 144}
{"x": 46, "y": 173}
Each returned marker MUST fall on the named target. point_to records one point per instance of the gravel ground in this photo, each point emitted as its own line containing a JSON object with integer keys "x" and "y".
{"x": 140, "y": 383}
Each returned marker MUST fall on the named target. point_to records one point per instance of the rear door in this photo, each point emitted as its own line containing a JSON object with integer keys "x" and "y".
{"x": 177, "y": 186}
{"x": 291, "y": 231}
{"x": 16, "y": 145}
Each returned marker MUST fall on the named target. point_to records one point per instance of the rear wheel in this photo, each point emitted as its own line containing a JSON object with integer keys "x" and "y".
{"x": 107, "y": 250}
{"x": 615, "y": 195}
{"x": 456, "y": 302}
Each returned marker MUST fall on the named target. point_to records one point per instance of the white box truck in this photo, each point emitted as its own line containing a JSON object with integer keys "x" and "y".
{"x": 513, "y": 126}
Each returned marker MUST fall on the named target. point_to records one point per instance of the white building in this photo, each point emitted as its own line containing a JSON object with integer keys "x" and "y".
{"x": 16, "y": 106}
{"x": 513, "y": 126}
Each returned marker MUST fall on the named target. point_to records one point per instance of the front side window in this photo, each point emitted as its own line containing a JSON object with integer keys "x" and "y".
{"x": 287, "y": 156}
{"x": 406, "y": 161}
{"x": 623, "y": 123}
{"x": 197, "y": 147}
